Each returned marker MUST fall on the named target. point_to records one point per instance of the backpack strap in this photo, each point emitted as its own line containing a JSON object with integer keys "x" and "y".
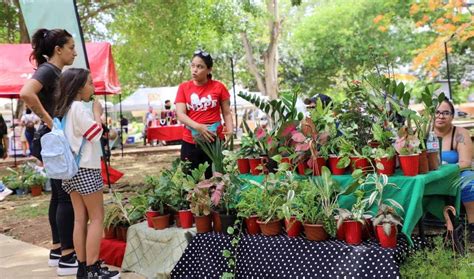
{"x": 61, "y": 126}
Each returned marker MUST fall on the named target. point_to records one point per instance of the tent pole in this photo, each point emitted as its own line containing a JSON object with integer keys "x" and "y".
{"x": 235, "y": 98}
{"x": 14, "y": 141}
{"x": 121, "y": 127}
{"x": 107, "y": 159}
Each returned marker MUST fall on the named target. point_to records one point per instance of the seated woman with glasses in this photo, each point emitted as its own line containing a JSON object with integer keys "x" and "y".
{"x": 456, "y": 149}
{"x": 199, "y": 105}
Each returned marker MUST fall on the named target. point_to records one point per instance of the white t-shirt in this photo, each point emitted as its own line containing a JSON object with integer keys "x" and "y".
{"x": 80, "y": 124}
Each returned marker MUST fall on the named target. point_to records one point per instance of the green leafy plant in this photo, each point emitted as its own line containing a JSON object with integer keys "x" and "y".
{"x": 250, "y": 200}
{"x": 387, "y": 216}
{"x": 159, "y": 195}
{"x": 214, "y": 150}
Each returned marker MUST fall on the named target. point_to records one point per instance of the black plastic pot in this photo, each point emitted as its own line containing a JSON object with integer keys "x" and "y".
{"x": 227, "y": 221}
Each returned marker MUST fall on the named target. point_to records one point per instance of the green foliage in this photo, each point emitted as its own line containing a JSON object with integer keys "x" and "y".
{"x": 116, "y": 212}
{"x": 249, "y": 202}
{"x": 439, "y": 262}
{"x": 214, "y": 150}
{"x": 280, "y": 110}
{"x": 340, "y": 36}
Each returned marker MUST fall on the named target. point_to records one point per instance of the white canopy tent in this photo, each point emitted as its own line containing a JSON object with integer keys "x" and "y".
{"x": 143, "y": 98}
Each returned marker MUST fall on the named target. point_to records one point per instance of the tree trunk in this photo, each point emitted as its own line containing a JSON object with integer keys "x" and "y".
{"x": 24, "y": 39}
{"x": 251, "y": 63}
{"x": 270, "y": 57}
{"x": 268, "y": 82}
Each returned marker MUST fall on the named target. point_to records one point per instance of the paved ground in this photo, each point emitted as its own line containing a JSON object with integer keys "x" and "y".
{"x": 23, "y": 260}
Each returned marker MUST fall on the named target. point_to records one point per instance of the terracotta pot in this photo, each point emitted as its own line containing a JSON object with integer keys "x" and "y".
{"x": 252, "y": 226}
{"x": 243, "y": 165}
{"x": 293, "y": 227}
{"x": 302, "y": 167}
{"x": 317, "y": 165}
{"x": 203, "y": 223}
{"x": 227, "y": 221}
{"x": 387, "y": 241}
{"x": 36, "y": 190}
{"x": 254, "y": 163}
{"x": 353, "y": 232}
{"x": 121, "y": 232}
{"x": 186, "y": 218}
{"x": 109, "y": 233}
{"x": 423, "y": 166}
{"x": 178, "y": 221}
{"x": 273, "y": 227}
{"x": 332, "y": 161}
{"x": 288, "y": 161}
{"x": 161, "y": 222}
{"x": 216, "y": 221}
{"x": 359, "y": 163}
{"x": 150, "y": 214}
{"x": 409, "y": 164}
{"x": 433, "y": 160}
{"x": 388, "y": 165}
{"x": 315, "y": 232}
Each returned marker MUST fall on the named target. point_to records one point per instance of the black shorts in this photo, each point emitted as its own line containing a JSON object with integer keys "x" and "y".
{"x": 195, "y": 155}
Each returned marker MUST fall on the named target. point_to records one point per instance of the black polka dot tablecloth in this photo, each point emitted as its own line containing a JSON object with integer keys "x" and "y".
{"x": 283, "y": 257}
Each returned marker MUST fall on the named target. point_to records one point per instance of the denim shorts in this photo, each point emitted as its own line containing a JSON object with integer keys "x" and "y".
{"x": 467, "y": 191}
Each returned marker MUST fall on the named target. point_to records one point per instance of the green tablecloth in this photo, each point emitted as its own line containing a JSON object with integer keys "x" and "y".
{"x": 417, "y": 194}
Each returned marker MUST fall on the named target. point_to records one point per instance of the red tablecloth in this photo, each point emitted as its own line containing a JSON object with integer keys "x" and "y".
{"x": 112, "y": 251}
{"x": 166, "y": 133}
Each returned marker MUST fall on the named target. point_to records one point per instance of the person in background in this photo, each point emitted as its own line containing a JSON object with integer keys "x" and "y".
{"x": 199, "y": 105}
{"x": 457, "y": 149}
{"x": 4, "y": 191}
{"x": 52, "y": 50}
{"x": 83, "y": 126}
{"x": 167, "y": 105}
{"x": 29, "y": 122}
{"x": 150, "y": 117}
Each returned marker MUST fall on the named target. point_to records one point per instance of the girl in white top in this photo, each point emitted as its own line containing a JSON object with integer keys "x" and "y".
{"x": 85, "y": 188}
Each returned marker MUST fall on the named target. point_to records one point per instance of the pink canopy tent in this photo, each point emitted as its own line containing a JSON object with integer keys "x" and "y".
{"x": 15, "y": 68}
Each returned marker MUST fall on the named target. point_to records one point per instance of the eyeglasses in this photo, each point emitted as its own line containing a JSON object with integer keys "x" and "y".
{"x": 201, "y": 52}
{"x": 444, "y": 113}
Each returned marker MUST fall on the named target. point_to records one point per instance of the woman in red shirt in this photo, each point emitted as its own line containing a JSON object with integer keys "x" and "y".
{"x": 199, "y": 104}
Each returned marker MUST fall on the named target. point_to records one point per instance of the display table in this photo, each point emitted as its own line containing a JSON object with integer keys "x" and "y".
{"x": 417, "y": 194}
{"x": 283, "y": 257}
{"x": 166, "y": 133}
{"x": 154, "y": 253}
{"x": 112, "y": 251}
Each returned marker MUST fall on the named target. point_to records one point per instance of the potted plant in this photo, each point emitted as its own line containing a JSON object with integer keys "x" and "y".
{"x": 200, "y": 203}
{"x": 118, "y": 217}
{"x": 16, "y": 180}
{"x": 354, "y": 219}
{"x": 33, "y": 179}
{"x": 386, "y": 222}
{"x": 407, "y": 145}
{"x": 431, "y": 102}
{"x": 247, "y": 207}
{"x": 224, "y": 190}
{"x": 383, "y": 153}
{"x": 273, "y": 191}
{"x": 290, "y": 211}
{"x": 421, "y": 123}
{"x": 158, "y": 199}
{"x": 310, "y": 213}
{"x": 112, "y": 217}
{"x": 181, "y": 184}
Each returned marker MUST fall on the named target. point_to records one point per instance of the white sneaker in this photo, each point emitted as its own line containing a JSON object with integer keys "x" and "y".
{"x": 5, "y": 193}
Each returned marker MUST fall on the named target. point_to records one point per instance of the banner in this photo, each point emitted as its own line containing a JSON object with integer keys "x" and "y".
{"x": 53, "y": 14}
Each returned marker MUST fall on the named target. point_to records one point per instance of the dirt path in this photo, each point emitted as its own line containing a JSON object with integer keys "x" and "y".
{"x": 26, "y": 219}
